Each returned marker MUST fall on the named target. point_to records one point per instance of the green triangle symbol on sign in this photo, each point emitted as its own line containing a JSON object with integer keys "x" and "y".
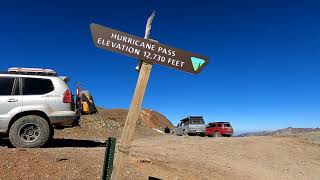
{"x": 197, "y": 63}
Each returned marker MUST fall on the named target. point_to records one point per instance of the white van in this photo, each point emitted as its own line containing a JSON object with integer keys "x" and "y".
{"x": 192, "y": 125}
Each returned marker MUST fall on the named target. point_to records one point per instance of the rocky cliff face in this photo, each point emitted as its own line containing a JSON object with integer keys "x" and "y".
{"x": 154, "y": 119}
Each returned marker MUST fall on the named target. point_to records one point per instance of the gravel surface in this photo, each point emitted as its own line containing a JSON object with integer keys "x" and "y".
{"x": 170, "y": 157}
{"x": 78, "y": 153}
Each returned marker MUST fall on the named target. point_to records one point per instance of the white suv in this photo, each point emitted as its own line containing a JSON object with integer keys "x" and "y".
{"x": 32, "y": 102}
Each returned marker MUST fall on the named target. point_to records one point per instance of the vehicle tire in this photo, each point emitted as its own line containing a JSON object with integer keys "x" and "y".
{"x": 51, "y": 133}
{"x": 217, "y": 134}
{"x": 76, "y": 123}
{"x": 29, "y": 132}
{"x": 184, "y": 133}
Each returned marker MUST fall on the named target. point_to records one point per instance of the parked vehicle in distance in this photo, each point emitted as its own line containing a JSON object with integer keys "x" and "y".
{"x": 192, "y": 125}
{"x": 218, "y": 129}
{"x": 32, "y": 102}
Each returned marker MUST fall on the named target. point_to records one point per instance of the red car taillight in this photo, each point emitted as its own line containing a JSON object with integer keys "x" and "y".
{"x": 67, "y": 96}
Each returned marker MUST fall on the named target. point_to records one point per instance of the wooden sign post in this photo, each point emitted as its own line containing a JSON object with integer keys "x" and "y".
{"x": 123, "y": 148}
{"x": 149, "y": 52}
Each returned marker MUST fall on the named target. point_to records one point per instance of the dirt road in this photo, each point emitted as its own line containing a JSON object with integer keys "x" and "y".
{"x": 170, "y": 157}
{"x": 231, "y": 158}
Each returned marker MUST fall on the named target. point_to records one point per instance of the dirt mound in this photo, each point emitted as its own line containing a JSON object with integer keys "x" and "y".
{"x": 147, "y": 118}
{"x": 110, "y": 122}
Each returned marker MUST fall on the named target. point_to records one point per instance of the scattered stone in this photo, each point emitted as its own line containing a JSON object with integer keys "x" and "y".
{"x": 146, "y": 160}
{"x": 61, "y": 159}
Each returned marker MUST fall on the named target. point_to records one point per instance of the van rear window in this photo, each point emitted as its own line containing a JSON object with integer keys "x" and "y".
{"x": 197, "y": 121}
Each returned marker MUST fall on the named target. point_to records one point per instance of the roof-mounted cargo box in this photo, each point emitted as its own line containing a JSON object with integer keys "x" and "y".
{"x": 32, "y": 71}
{"x": 191, "y": 117}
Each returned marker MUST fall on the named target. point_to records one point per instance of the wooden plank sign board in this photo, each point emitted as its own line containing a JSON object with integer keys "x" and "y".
{"x": 147, "y": 50}
{"x": 150, "y": 52}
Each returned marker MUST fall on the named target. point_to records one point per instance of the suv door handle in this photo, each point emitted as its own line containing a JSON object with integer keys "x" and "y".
{"x": 13, "y": 100}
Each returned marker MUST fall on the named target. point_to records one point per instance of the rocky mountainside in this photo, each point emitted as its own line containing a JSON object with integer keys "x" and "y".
{"x": 281, "y": 132}
{"x": 259, "y": 133}
{"x": 290, "y": 131}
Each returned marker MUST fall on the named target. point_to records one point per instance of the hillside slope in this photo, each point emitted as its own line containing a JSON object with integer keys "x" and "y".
{"x": 154, "y": 119}
{"x": 110, "y": 122}
{"x": 290, "y": 131}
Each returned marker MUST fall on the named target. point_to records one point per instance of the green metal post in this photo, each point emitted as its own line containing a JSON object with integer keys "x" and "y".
{"x": 108, "y": 158}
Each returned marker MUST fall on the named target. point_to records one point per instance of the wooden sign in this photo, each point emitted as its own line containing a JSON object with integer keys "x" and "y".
{"x": 147, "y": 50}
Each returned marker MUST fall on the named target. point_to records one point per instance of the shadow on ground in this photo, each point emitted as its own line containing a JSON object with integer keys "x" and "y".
{"x": 61, "y": 143}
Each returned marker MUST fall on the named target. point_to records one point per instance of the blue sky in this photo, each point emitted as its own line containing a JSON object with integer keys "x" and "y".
{"x": 264, "y": 55}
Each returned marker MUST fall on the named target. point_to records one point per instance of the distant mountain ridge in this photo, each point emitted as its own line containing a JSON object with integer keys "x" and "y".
{"x": 280, "y": 132}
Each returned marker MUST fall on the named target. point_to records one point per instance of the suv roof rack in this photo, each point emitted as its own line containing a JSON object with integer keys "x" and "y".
{"x": 32, "y": 71}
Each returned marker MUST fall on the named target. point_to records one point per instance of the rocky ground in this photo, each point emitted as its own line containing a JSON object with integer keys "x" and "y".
{"x": 78, "y": 153}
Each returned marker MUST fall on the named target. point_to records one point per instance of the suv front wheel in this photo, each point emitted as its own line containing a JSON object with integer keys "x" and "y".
{"x": 29, "y": 132}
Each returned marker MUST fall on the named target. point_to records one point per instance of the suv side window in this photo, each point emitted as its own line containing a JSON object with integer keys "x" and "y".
{"x": 212, "y": 125}
{"x": 6, "y": 84}
{"x": 37, "y": 86}
{"x": 187, "y": 122}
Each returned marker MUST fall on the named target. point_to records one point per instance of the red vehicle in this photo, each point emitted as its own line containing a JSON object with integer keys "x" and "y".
{"x": 218, "y": 129}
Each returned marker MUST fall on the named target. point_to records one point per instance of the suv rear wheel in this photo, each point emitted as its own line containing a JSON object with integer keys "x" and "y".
{"x": 29, "y": 132}
{"x": 217, "y": 134}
